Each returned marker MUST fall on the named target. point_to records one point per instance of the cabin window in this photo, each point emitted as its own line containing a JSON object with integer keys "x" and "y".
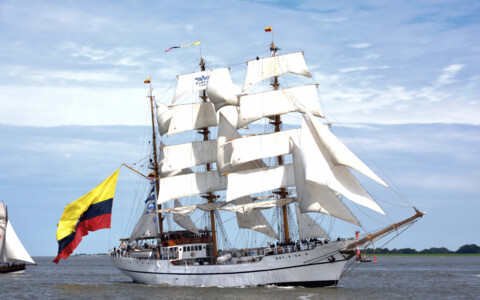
{"x": 188, "y": 248}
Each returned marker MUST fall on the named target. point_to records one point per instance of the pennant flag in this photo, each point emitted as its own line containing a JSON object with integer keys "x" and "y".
{"x": 90, "y": 212}
{"x": 268, "y": 29}
{"x": 193, "y": 44}
{"x": 146, "y": 80}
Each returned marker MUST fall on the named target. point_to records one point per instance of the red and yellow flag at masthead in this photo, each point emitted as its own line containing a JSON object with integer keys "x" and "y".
{"x": 268, "y": 29}
{"x": 146, "y": 80}
{"x": 90, "y": 212}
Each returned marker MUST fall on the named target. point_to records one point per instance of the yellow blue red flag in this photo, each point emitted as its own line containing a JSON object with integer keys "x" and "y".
{"x": 90, "y": 212}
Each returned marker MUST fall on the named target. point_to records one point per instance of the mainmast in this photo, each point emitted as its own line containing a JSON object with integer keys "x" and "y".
{"x": 155, "y": 162}
{"x": 210, "y": 196}
{"x": 282, "y": 193}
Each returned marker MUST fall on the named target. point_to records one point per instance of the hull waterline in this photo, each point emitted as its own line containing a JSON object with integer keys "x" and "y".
{"x": 318, "y": 267}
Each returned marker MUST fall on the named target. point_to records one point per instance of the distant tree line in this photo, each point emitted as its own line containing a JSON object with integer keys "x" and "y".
{"x": 465, "y": 249}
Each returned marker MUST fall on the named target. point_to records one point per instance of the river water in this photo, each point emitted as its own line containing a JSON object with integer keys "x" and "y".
{"x": 95, "y": 277}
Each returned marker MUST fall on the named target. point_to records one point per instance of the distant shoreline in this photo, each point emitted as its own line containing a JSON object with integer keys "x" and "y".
{"x": 423, "y": 255}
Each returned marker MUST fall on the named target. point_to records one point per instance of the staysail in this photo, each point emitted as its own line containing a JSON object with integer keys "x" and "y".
{"x": 147, "y": 224}
{"x": 308, "y": 228}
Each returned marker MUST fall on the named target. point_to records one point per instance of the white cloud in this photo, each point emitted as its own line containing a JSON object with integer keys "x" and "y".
{"x": 392, "y": 78}
{"x": 449, "y": 73}
{"x": 360, "y": 45}
{"x": 353, "y": 69}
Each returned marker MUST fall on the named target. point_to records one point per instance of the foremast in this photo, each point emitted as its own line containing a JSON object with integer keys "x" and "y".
{"x": 277, "y": 122}
{"x": 155, "y": 159}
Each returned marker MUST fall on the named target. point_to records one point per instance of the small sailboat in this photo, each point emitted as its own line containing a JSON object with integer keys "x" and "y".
{"x": 13, "y": 255}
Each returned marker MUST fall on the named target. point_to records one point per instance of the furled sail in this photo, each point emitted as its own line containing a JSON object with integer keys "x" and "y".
{"x": 184, "y": 220}
{"x": 308, "y": 228}
{"x": 314, "y": 197}
{"x": 180, "y": 186}
{"x": 147, "y": 224}
{"x": 262, "y": 146}
{"x": 260, "y": 69}
{"x": 247, "y": 207}
{"x": 323, "y": 172}
{"x": 190, "y": 83}
{"x": 250, "y": 182}
{"x": 181, "y": 156}
{"x": 221, "y": 90}
{"x": 186, "y": 210}
{"x": 298, "y": 99}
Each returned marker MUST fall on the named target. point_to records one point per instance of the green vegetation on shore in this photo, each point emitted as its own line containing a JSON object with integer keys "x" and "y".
{"x": 470, "y": 250}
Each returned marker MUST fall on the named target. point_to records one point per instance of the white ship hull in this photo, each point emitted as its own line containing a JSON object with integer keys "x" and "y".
{"x": 318, "y": 267}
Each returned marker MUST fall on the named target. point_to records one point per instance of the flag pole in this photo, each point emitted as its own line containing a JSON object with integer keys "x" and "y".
{"x": 273, "y": 39}
{"x": 200, "y": 46}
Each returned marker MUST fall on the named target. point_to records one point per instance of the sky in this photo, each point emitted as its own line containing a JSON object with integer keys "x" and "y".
{"x": 402, "y": 77}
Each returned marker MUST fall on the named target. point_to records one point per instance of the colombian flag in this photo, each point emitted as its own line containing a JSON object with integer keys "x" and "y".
{"x": 268, "y": 29}
{"x": 90, "y": 212}
{"x": 146, "y": 80}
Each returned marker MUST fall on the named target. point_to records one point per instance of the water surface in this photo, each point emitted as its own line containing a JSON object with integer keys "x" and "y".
{"x": 95, "y": 277}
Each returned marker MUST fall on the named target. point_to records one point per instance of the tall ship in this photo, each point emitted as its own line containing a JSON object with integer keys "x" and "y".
{"x": 236, "y": 189}
{"x": 13, "y": 255}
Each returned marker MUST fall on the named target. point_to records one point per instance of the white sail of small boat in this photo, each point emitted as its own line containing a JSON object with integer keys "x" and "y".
{"x": 227, "y": 155}
{"x": 13, "y": 254}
